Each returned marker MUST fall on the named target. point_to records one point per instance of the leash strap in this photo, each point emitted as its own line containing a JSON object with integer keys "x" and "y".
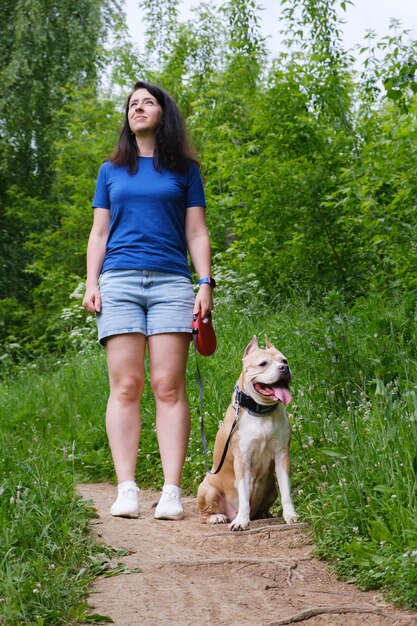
{"x": 200, "y": 393}
{"x": 236, "y": 406}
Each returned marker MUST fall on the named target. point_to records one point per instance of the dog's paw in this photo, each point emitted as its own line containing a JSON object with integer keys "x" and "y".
{"x": 291, "y": 518}
{"x": 218, "y": 518}
{"x": 239, "y": 524}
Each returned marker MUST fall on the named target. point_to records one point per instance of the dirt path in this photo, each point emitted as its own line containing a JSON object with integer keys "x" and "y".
{"x": 193, "y": 574}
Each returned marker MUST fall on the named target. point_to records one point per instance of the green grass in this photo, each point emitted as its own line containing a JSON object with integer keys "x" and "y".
{"x": 47, "y": 557}
{"x": 354, "y": 450}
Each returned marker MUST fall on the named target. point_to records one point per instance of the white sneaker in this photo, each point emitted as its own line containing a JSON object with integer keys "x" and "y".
{"x": 169, "y": 505}
{"x": 127, "y": 503}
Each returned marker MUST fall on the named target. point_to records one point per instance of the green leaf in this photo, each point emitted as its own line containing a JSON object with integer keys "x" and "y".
{"x": 362, "y": 551}
{"x": 96, "y": 618}
{"x": 378, "y": 531}
{"x": 115, "y": 569}
{"x": 415, "y": 465}
{"x": 333, "y": 453}
{"x": 394, "y": 94}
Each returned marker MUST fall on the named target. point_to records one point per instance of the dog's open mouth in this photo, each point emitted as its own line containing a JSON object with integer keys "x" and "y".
{"x": 278, "y": 391}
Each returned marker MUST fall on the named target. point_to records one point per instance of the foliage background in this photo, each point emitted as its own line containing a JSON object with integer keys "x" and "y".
{"x": 310, "y": 173}
{"x": 310, "y": 165}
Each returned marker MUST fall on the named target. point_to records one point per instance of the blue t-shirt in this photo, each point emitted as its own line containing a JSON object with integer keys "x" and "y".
{"x": 147, "y": 215}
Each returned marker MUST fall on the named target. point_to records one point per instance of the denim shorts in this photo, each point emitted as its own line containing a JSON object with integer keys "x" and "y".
{"x": 142, "y": 301}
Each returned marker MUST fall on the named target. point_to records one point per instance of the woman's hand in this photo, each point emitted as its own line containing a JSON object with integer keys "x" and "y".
{"x": 92, "y": 299}
{"x": 204, "y": 300}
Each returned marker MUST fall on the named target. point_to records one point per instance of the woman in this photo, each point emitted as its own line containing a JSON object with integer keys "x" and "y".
{"x": 149, "y": 209}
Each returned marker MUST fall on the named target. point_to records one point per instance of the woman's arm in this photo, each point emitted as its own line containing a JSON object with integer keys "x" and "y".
{"x": 96, "y": 251}
{"x": 198, "y": 244}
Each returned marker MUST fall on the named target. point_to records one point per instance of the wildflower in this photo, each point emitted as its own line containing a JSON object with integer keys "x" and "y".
{"x": 342, "y": 482}
{"x": 355, "y": 530}
{"x": 323, "y": 468}
{"x": 410, "y": 553}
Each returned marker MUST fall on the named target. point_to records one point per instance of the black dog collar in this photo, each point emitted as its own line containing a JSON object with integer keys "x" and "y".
{"x": 242, "y": 399}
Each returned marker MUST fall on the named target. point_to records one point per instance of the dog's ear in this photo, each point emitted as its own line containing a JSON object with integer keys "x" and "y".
{"x": 268, "y": 344}
{"x": 252, "y": 345}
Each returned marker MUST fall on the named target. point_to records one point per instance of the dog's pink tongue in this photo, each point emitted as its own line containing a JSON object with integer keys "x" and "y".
{"x": 283, "y": 394}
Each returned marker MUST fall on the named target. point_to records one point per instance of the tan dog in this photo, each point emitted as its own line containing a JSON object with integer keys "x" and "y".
{"x": 258, "y": 452}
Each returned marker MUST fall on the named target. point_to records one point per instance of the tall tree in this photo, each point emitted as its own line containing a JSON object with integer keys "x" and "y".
{"x": 161, "y": 18}
{"x": 46, "y": 46}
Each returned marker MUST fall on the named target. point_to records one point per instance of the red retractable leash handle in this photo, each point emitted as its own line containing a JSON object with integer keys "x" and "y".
{"x": 203, "y": 335}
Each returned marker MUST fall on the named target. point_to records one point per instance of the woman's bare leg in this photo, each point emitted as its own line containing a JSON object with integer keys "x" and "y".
{"x": 168, "y": 359}
{"x": 125, "y": 362}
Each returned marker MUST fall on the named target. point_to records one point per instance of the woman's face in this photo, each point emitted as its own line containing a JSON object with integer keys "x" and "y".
{"x": 144, "y": 112}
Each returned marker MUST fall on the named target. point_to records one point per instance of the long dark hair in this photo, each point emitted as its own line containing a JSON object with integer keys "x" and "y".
{"x": 172, "y": 148}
